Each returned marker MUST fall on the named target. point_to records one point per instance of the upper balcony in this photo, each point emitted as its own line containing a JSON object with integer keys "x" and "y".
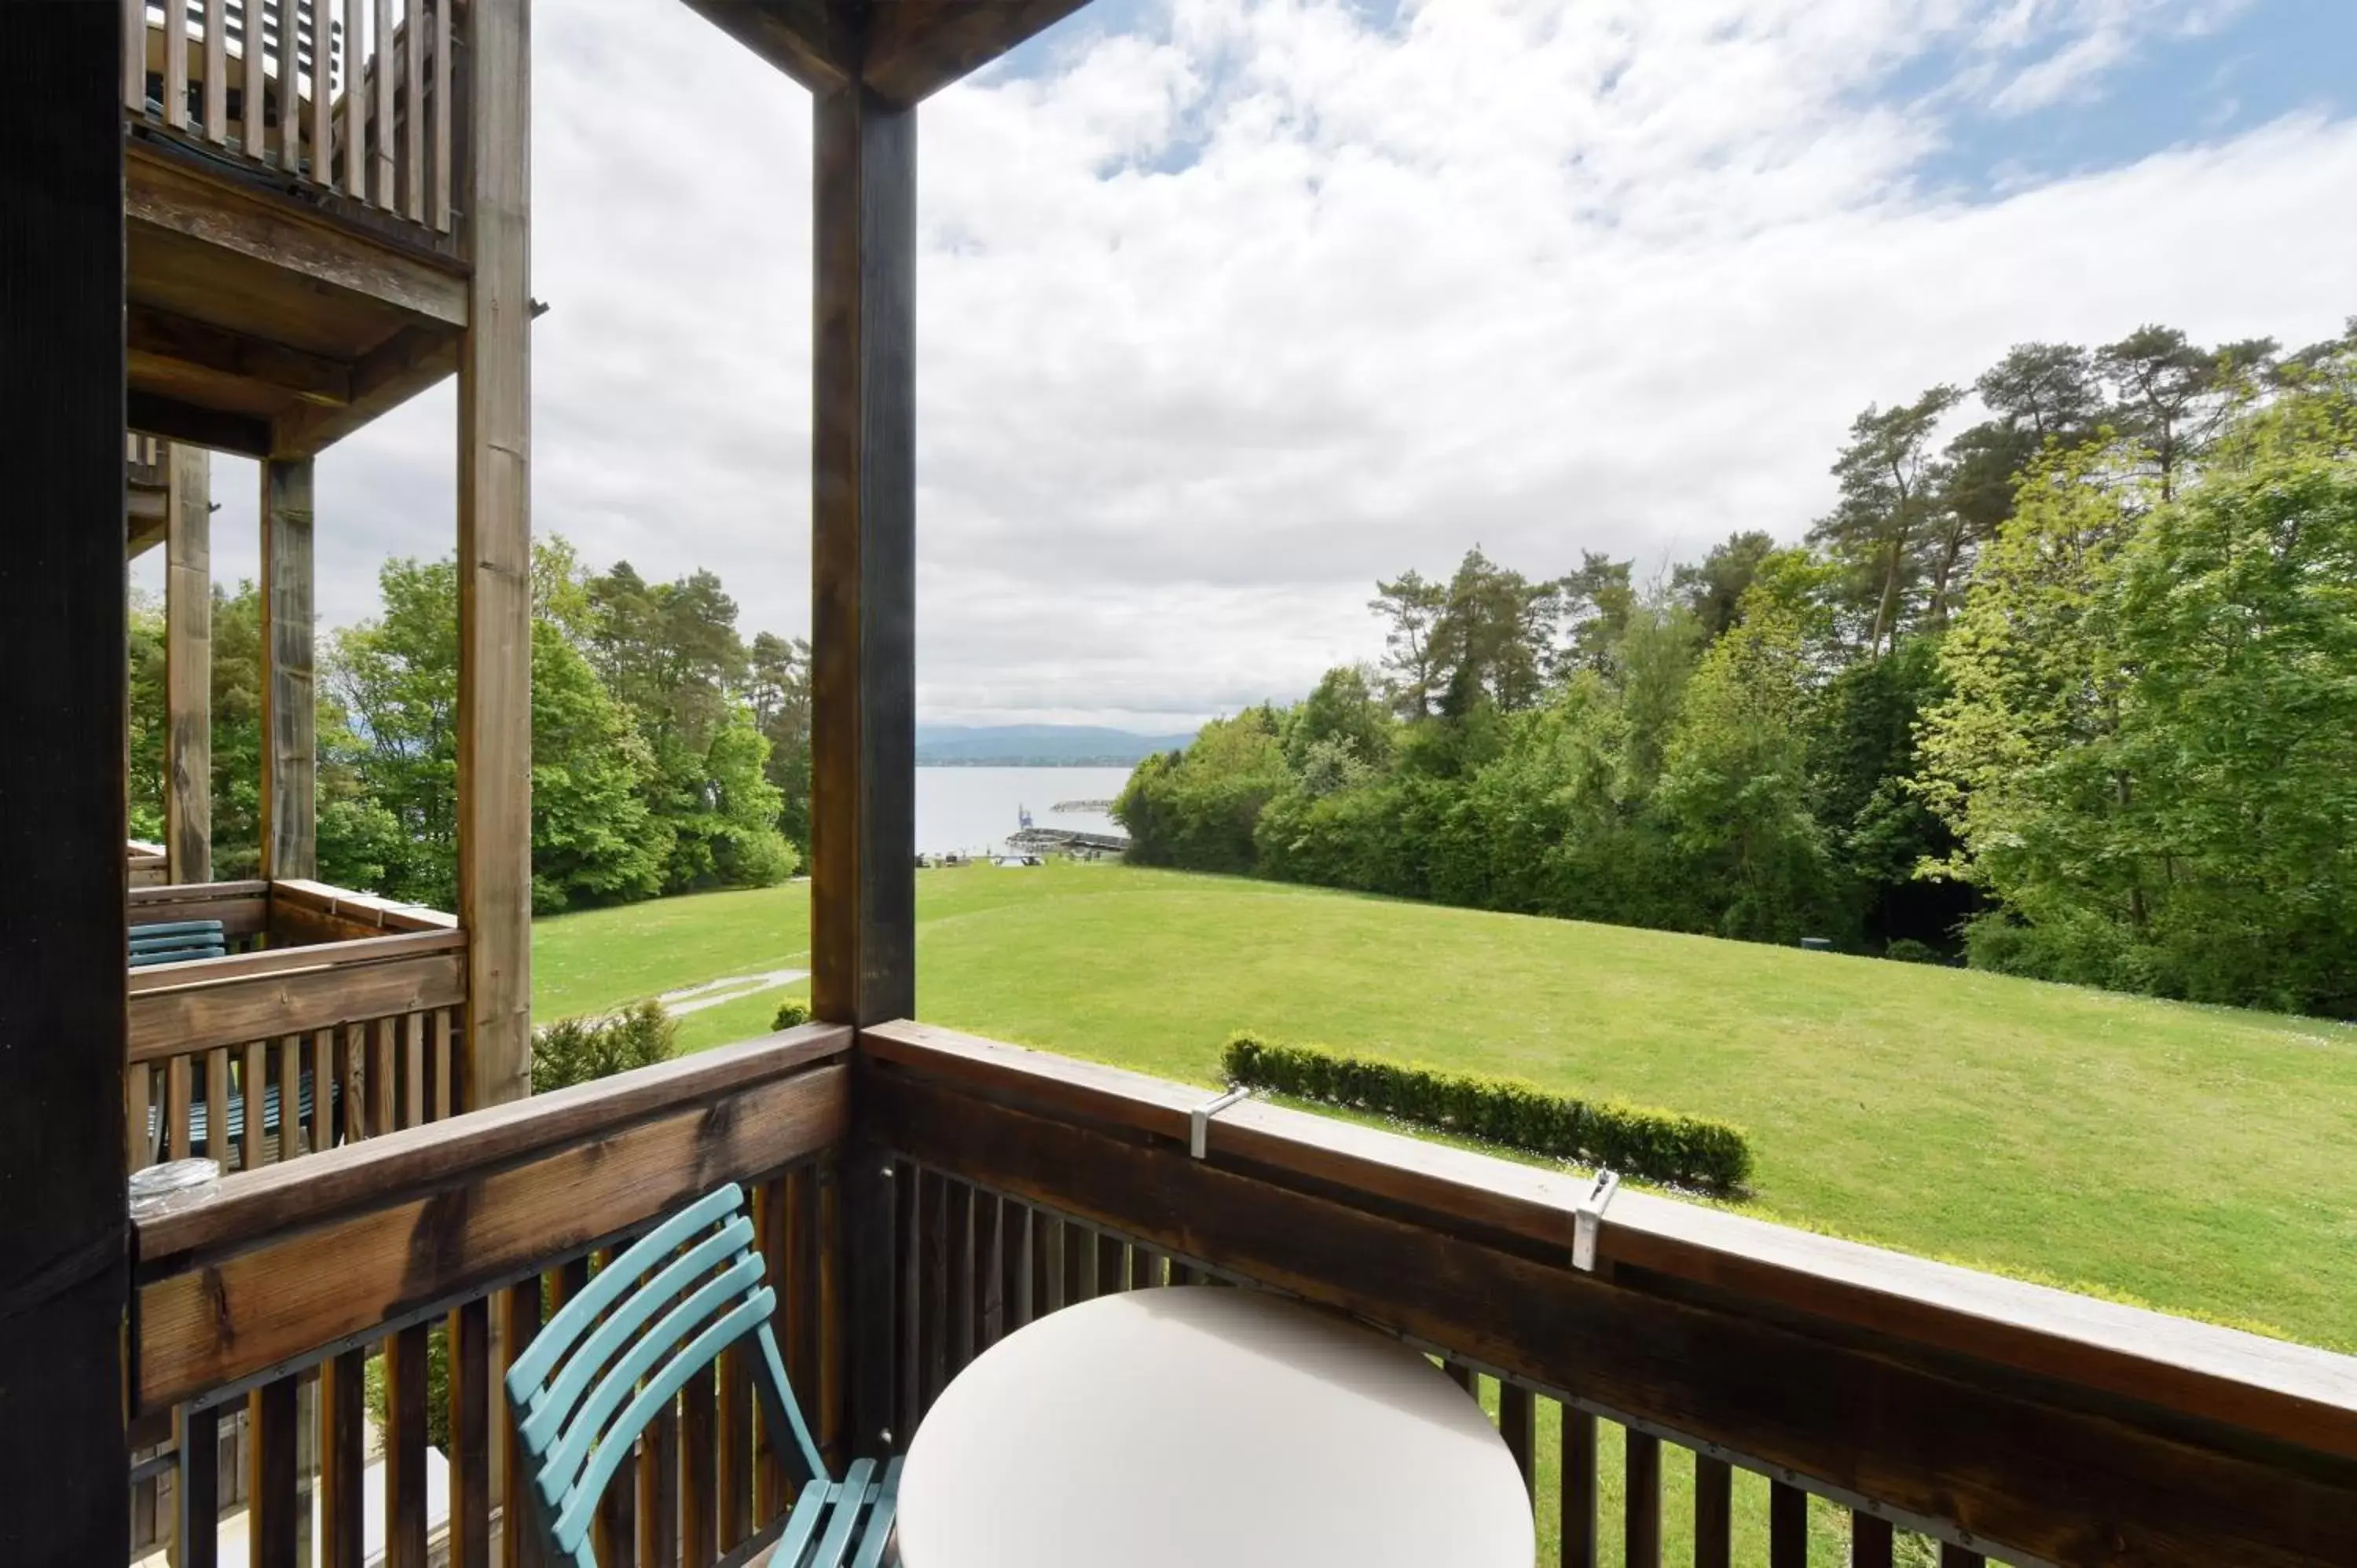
{"x": 298, "y": 255}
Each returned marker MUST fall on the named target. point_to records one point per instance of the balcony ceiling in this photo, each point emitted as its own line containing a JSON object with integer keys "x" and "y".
{"x": 904, "y": 50}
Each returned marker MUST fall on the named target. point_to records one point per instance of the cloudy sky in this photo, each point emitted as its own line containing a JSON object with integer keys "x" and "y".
{"x": 1227, "y": 308}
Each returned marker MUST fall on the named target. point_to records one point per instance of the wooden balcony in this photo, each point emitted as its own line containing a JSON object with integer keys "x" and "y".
{"x": 338, "y": 1015}
{"x": 920, "y": 1194}
{"x": 298, "y": 258}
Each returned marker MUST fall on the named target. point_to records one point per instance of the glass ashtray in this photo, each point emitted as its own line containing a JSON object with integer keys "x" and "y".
{"x": 172, "y": 1185}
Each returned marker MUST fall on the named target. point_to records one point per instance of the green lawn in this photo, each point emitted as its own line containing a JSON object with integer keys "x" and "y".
{"x": 2197, "y": 1159}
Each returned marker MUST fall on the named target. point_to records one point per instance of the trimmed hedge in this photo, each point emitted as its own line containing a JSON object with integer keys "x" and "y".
{"x": 1659, "y": 1145}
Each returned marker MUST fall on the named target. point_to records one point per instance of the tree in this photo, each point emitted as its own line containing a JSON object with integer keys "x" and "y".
{"x": 594, "y": 840}
{"x": 779, "y": 693}
{"x": 1411, "y": 608}
{"x": 2172, "y": 395}
{"x": 1712, "y": 588}
{"x": 1593, "y": 602}
{"x": 1197, "y": 808}
{"x": 1494, "y": 640}
{"x": 1889, "y": 476}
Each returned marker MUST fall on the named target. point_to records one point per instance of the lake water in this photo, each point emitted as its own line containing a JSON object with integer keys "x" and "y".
{"x": 974, "y": 808}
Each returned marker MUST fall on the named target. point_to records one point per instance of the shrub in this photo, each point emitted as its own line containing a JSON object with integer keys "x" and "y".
{"x": 578, "y": 1050}
{"x": 1907, "y": 950}
{"x": 1659, "y": 1145}
{"x": 792, "y": 1012}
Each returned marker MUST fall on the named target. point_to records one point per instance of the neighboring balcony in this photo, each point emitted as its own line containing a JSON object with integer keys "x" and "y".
{"x": 298, "y": 259}
{"x": 338, "y": 1015}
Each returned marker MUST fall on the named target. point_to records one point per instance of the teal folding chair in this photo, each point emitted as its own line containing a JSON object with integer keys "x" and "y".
{"x": 610, "y": 1362}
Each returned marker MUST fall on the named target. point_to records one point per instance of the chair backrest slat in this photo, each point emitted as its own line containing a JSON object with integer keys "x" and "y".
{"x": 604, "y": 1366}
{"x": 578, "y": 1509}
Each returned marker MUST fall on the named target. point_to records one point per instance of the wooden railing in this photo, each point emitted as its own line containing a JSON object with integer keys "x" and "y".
{"x": 146, "y": 864}
{"x": 337, "y": 1016}
{"x": 270, "y": 1300}
{"x": 1891, "y": 1408}
{"x": 1714, "y": 1386}
{"x": 380, "y": 134}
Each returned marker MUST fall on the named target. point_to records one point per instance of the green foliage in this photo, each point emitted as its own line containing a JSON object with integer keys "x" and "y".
{"x": 376, "y": 1390}
{"x": 1657, "y": 1145}
{"x": 581, "y": 1050}
{"x": 1198, "y": 808}
{"x": 792, "y": 1012}
{"x": 1907, "y": 950}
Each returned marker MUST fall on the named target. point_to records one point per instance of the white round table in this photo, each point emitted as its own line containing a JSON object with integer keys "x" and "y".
{"x": 1198, "y": 1424}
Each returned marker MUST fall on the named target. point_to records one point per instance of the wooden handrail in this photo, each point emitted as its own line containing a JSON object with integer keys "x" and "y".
{"x": 2292, "y": 1391}
{"x": 291, "y": 1261}
{"x": 2070, "y": 1430}
{"x": 177, "y": 1009}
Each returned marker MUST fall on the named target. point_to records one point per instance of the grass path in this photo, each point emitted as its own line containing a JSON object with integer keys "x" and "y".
{"x": 2201, "y": 1160}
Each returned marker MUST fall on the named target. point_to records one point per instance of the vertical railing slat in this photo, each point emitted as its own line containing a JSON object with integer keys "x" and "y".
{"x": 196, "y": 1489}
{"x": 442, "y": 173}
{"x": 699, "y": 1434}
{"x": 217, "y": 1093}
{"x": 832, "y": 1350}
{"x": 519, "y": 1526}
{"x": 1954, "y": 1556}
{"x": 175, "y": 64}
{"x": 343, "y": 1460}
{"x": 1641, "y": 1528}
{"x": 735, "y": 1501}
{"x": 253, "y": 1094}
{"x": 470, "y": 1342}
{"x": 957, "y": 1236}
{"x": 770, "y": 1239}
{"x": 380, "y": 62}
{"x": 1518, "y": 1424}
{"x": 255, "y": 118}
{"x": 179, "y": 1094}
{"x": 270, "y": 1488}
{"x": 385, "y": 1099}
{"x": 290, "y": 97}
{"x": 290, "y": 1097}
{"x": 413, "y": 1079}
{"x": 1869, "y": 1540}
{"x": 357, "y": 1079}
{"x": 323, "y": 81}
{"x": 138, "y": 1112}
{"x": 217, "y": 70}
{"x": 355, "y": 116}
{"x": 1021, "y": 1233}
{"x": 412, "y": 113}
{"x": 1714, "y": 1511}
{"x": 1788, "y": 1526}
{"x": 658, "y": 1502}
{"x": 134, "y": 55}
{"x": 990, "y": 1265}
{"x": 323, "y": 1077}
{"x": 445, "y": 1088}
{"x": 908, "y": 1343}
{"x": 404, "y": 1448}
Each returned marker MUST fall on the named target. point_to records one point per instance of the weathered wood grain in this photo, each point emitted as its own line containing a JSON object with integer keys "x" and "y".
{"x": 2292, "y": 1392}
{"x": 168, "y": 1022}
{"x": 1714, "y": 1511}
{"x": 336, "y": 1182}
{"x": 810, "y": 40}
{"x": 1876, "y": 1416}
{"x": 189, "y": 668}
{"x": 272, "y": 1504}
{"x": 404, "y": 1448}
{"x": 286, "y": 1293}
{"x": 469, "y": 1331}
{"x": 289, "y": 700}
{"x": 495, "y": 563}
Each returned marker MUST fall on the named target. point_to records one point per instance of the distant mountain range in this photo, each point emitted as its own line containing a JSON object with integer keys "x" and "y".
{"x": 1038, "y": 746}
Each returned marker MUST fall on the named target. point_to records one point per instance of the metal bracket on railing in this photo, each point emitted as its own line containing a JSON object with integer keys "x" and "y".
{"x": 1587, "y": 1219}
{"x": 1198, "y": 1120}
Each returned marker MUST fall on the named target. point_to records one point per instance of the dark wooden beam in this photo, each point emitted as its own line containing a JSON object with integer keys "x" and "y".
{"x": 810, "y": 40}
{"x": 155, "y": 414}
{"x": 62, "y": 1279}
{"x": 913, "y": 49}
{"x": 387, "y": 375}
{"x": 158, "y": 334}
{"x": 863, "y": 642}
{"x": 863, "y": 560}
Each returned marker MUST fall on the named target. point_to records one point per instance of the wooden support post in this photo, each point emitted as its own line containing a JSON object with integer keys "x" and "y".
{"x": 189, "y": 666}
{"x": 495, "y": 565}
{"x": 63, "y": 1281}
{"x": 863, "y": 559}
{"x": 289, "y": 707}
{"x": 863, "y": 664}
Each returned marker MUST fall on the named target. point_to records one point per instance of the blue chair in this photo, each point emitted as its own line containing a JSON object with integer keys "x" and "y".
{"x": 610, "y": 1361}
{"x": 174, "y": 941}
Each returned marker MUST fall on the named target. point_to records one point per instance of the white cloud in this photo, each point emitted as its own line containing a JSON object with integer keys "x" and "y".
{"x": 1219, "y": 324}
